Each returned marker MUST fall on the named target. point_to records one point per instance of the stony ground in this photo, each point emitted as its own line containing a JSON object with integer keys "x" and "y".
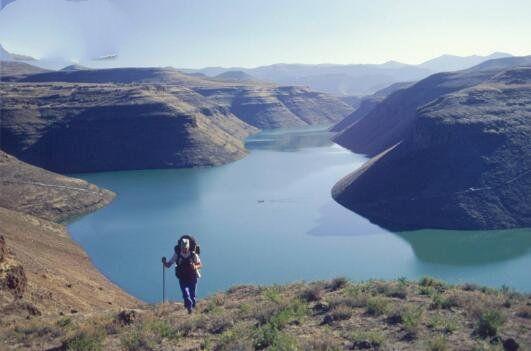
{"x": 333, "y": 315}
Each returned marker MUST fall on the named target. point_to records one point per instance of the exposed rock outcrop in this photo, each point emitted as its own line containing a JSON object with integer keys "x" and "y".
{"x": 269, "y": 107}
{"x": 465, "y": 163}
{"x": 97, "y": 127}
{"x": 13, "y": 281}
{"x": 260, "y": 104}
{"x": 138, "y": 118}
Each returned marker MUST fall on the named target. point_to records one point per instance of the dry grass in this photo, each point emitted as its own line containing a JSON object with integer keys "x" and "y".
{"x": 316, "y": 316}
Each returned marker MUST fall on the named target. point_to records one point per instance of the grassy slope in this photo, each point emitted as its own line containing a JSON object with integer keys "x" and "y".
{"x": 60, "y": 276}
{"x": 53, "y": 274}
{"x": 336, "y": 315}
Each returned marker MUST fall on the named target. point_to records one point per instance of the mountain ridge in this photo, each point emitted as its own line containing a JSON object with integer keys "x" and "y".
{"x": 462, "y": 162}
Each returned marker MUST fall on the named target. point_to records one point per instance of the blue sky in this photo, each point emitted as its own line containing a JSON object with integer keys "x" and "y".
{"x": 198, "y": 33}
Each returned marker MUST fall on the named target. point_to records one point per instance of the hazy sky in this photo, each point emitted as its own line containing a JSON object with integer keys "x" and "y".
{"x": 198, "y": 33}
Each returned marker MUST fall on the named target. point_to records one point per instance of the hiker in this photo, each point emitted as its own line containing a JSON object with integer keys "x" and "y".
{"x": 187, "y": 265}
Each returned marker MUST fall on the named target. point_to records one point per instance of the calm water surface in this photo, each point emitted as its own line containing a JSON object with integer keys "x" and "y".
{"x": 269, "y": 218}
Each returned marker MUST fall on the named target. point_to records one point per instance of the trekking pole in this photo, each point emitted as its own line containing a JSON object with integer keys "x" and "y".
{"x": 163, "y": 283}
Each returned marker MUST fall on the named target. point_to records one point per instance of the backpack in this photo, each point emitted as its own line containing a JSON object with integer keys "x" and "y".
{"x": 183, "y": 270}
{"x": 194, "y": 245}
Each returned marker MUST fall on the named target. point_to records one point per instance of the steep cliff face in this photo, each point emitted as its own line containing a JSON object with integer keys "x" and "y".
{"x": 367, "y": 104}
{"x": 268, "y": 107}
{"x": 260, "y": 104}
{"x": 391, "y": 120}
{"x": 466, "y": 163}
{"x": 96, "y": 127}
{"x": 138, "y": 118}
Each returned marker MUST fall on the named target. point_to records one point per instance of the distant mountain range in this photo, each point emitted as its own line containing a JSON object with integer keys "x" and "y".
{"x": 339, "y": 80}
{"x": 354, "y": 79}
{"x": 7, "y": 56}
{"x": 448, "y": 63}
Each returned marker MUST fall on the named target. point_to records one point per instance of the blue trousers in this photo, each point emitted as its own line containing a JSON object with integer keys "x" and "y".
{"x": 188, "y": 290}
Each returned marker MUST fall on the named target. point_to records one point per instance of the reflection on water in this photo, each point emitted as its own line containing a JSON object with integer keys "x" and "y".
{"x": 290, "y": 140}
{"x": 464, "y": 248}
{"x": 269, "y": 218}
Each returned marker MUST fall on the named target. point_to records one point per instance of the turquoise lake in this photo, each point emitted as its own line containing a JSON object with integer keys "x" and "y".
{"x": 269, "y": 218}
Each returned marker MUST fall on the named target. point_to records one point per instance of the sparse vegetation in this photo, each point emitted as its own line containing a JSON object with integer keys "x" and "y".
{"x": 439, "y": 322}
{"x": 313, "y": 293}
{"x": 367, "y": 339}
{"x": 489, "y": 322}
{"x": 367, "y": 315}
{"x": 377, "y": 306}
{"x": 85, "y": 341}
{"x": 338, "y": 283}
{"x": 432, "y": 282}
{"x": 438, "y": 343}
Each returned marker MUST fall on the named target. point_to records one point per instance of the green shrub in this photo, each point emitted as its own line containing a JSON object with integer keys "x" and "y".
{"x": 244, "y": 309}
{"x": 445, "y": 302}
{"x": 377, "y": 306}
{"x": 214, "y": 304}
{"x": 135, "y": 340}
{"x": 220, "y": 323}
{"x": 234, "y": 339}
{"x": 338, "y": 283}
{"x": 312, "y": 293}
{"x": 85, "y": 341}
{"x": 265, "y": 336}
{"x": 427, "y": 290}
{"x": 398, "y": 291}
{"x": 438, "y": 343}
{"x": 442, "y": 324}
{"x": 351, "y": 301}
{"x": 270, "y": 337}
{"x": 403, "y": 281}
{"x": 489, "y": 322}
{"x": 367, "y": 339}
{"x": 340, "y": 313}
{"x": 186, "y": 326}
{"x": 64, "y": 322}
{"x": 273, "y": 294}
{"x": 432, "y": 282}
{"x": 411, "y": 318}
{"x": 295, "y": 311}
{"x": 163, "y": 329}
{"x": 323, "y": 343}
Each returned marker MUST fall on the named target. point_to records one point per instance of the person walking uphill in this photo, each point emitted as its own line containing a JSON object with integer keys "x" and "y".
{"x": 187, "y": 265}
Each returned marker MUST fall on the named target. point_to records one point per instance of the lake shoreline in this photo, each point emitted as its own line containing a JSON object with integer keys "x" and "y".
{"x": 286, "y": 178}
